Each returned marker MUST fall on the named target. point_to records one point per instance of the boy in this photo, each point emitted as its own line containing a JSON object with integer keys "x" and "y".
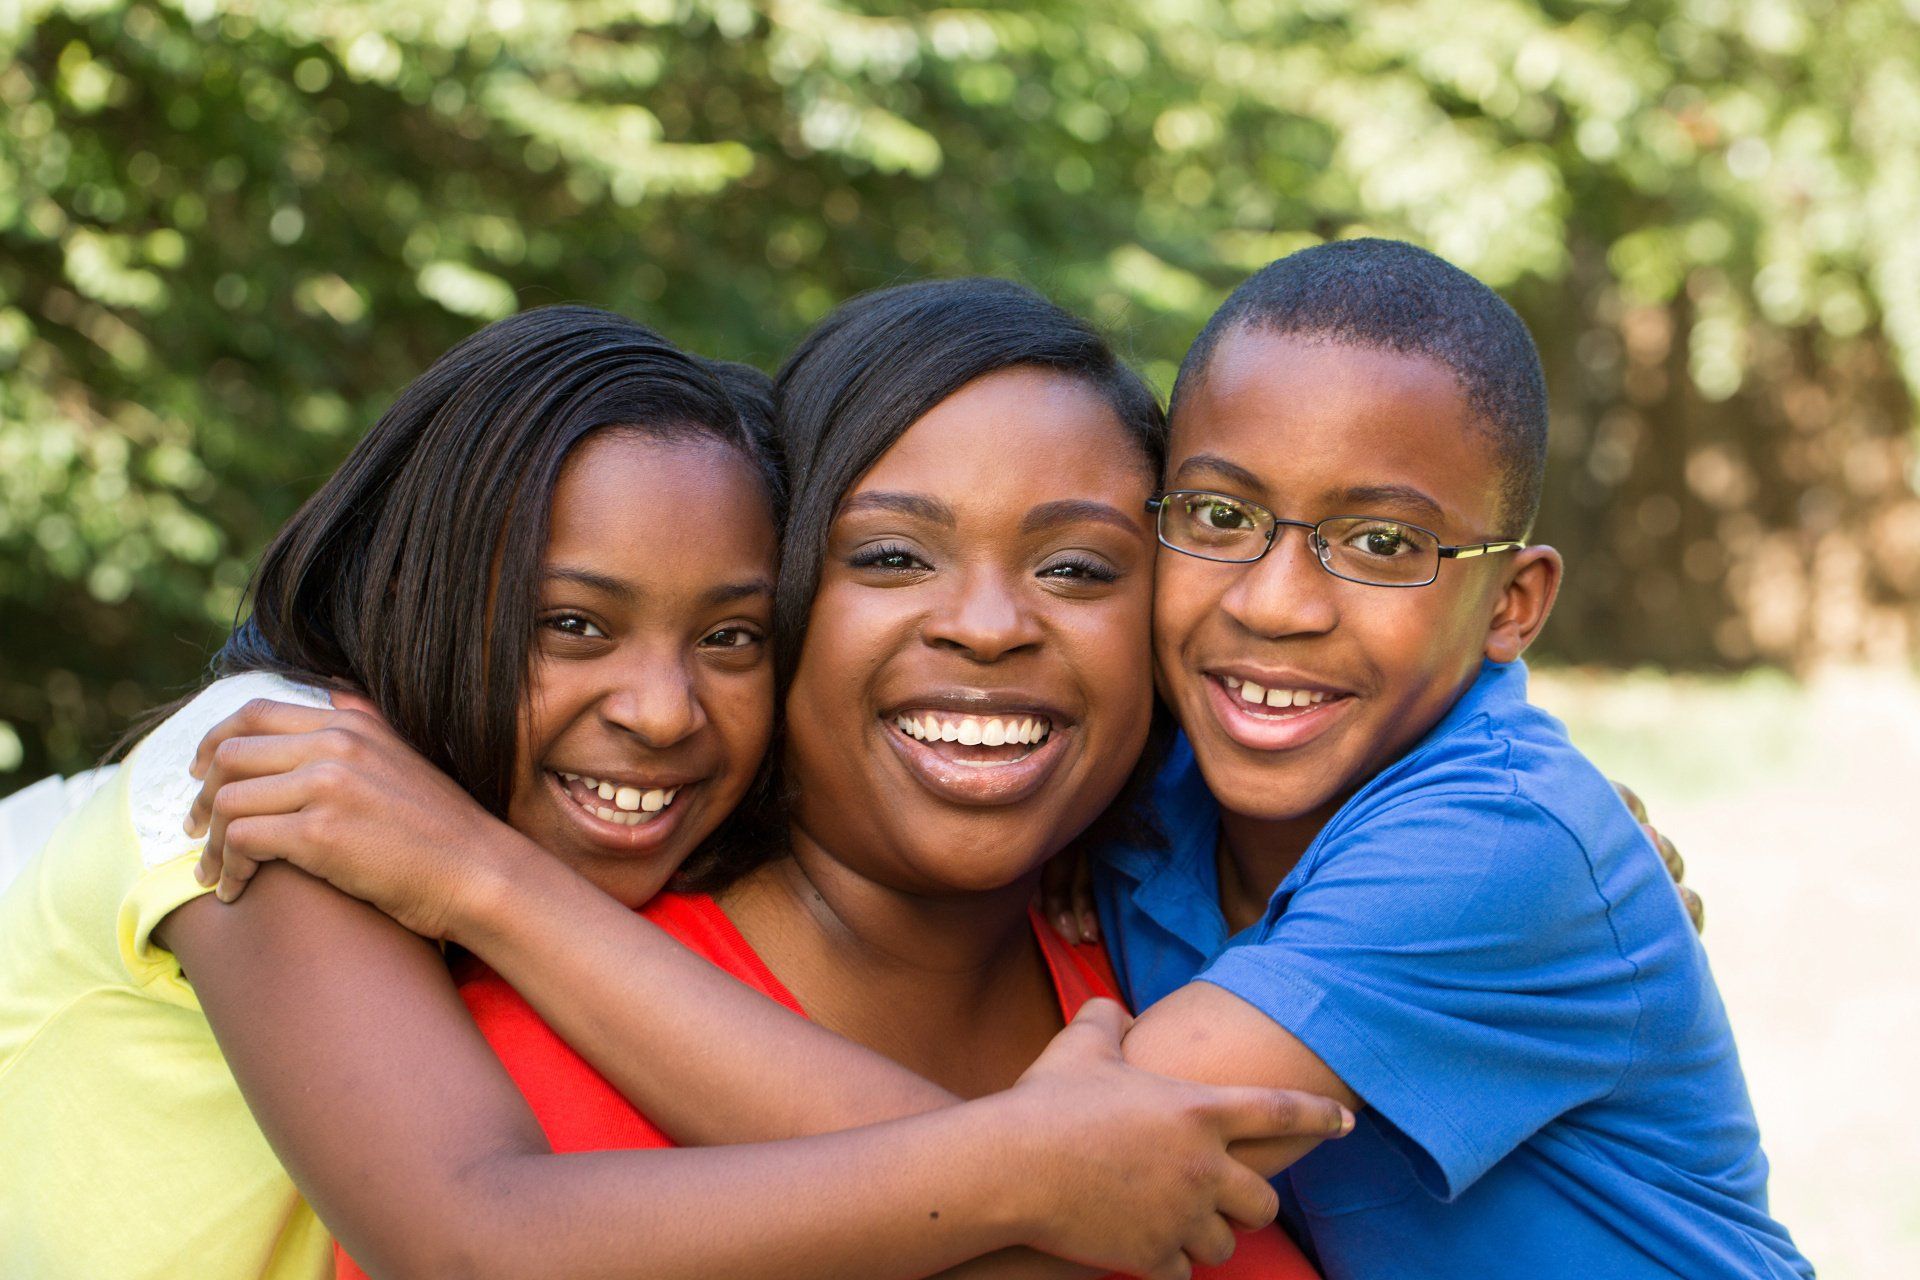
{"x": 1397, "y": 883}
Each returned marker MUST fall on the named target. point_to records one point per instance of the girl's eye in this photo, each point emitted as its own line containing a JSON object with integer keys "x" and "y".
{"x": 574, "y": 624}
{"x": 1080, "y": 569}
{"x": 731, "y": 638}
{"x": 889, "y": 557}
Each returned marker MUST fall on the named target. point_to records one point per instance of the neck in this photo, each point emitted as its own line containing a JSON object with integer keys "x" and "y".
{"x": 1255, "y": 855}
{"x": 952, "y": 986}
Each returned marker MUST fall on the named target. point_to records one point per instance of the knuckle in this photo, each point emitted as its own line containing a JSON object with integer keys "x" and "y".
{"x": 255, "y": 709}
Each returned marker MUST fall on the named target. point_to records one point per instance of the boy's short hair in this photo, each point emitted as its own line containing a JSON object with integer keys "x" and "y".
{"x": 1393, "y": 296}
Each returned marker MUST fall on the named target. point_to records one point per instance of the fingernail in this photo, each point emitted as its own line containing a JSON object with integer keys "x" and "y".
{"x": 1346, "y": 1122}
{"x": 1063, "y": 925}
{"x": 1089, "y": 929}
{"x": 201, "y": 874}
{"x": 223, "y": 893}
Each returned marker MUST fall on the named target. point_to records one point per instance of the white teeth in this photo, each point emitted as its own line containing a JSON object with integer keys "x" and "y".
{"x": 606, "y": 814}
{"x": 1233, "y": 682}
{"x": 971, "y": 731}
{"x": 627, "y": 798}
{"x": 1251, "y": 691}
{"x": 1279, "y": 697}
{"x": 654, "y": 801}
{"x": 607, "y": 790}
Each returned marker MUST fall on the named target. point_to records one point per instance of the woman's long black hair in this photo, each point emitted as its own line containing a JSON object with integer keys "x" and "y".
{"x": 412, "y": 574}
{"x": 874, "y": 367}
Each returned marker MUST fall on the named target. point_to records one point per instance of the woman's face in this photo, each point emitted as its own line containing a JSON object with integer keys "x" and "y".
{"x": 976, "y": 682}
{"x": 651, "y": 691}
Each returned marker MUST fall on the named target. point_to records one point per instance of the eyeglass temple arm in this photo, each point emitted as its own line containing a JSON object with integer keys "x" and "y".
{"x": 1480, "y": 549}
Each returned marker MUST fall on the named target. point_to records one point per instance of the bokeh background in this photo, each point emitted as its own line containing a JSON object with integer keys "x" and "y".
{"x": 230, "y": 231}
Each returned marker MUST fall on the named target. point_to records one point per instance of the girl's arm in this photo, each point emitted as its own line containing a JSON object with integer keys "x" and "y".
{"x": 339, "y": 794}
{"x": 369, "y": 1078}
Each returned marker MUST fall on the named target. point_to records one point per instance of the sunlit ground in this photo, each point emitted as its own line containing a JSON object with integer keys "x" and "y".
{"x": 1798, "y": 811}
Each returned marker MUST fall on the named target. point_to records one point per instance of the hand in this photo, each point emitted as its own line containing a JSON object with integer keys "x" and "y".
{"x": 340, "y": 795}
{"x": 1066, "y": 896}
{"x": 1136, "y": 1175}
{"x": 1676, "y": 865}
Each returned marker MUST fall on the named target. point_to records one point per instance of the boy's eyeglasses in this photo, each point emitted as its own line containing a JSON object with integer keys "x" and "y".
{"x": 1371, "y": 550}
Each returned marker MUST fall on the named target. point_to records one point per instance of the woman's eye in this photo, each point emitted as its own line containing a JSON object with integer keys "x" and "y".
{"x": 731, "y": 638}
{"x": 574, "y": 624}
{"x": 891, "y": 558}
{"x": 1080, "y": 570}
{"x": 1223, "y": 515}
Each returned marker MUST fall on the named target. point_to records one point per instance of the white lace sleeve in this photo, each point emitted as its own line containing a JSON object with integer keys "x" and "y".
{"x": 161, "y": 790}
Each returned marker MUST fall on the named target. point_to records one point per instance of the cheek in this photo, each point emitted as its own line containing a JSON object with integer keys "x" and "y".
{"x": 741, "y": 709}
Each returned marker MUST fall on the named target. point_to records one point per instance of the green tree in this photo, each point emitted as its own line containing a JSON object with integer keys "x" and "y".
{"x": 229, "y": 233}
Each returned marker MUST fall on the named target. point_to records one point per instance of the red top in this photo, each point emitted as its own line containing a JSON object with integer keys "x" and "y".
{"x": 580, "y": 1111}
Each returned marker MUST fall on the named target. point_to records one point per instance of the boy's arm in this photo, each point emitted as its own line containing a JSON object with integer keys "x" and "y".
{"x": 373, "y": 1085}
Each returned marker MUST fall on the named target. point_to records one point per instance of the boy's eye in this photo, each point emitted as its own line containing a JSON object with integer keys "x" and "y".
{"x": 573, "y": 624}
{"x": 1217, "y": 513}
{"x": 1384, "y": 541}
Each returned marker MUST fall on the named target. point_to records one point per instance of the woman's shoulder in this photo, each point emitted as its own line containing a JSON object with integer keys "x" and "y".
{"x": 160, "y": 784}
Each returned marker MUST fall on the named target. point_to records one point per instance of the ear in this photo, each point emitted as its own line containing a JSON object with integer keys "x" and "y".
{"x": 1525, "y": 599}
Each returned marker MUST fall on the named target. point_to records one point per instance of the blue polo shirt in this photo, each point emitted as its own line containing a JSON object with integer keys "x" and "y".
{"x": 1486, "y": 948}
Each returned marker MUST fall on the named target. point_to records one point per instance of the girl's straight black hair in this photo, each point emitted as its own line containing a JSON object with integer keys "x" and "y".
{"x": 412, "y": 575}
{"x": 878, "y": 364}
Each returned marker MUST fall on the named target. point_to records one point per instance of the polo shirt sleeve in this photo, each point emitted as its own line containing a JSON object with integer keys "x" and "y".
{"x": 1452, "y": 960}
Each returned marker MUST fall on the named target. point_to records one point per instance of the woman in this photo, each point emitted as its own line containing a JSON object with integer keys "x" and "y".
{"x": 481, "y": 568}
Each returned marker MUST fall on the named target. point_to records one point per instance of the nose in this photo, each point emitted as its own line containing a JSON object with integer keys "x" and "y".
{"x": 1286, "y": 592}
{"x": 983, "y": 615}
{"x": 655, "y": 700}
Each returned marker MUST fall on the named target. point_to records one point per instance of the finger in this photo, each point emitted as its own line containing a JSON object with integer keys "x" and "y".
{"x": 261, "y": 716}
{"x": 1178, "y": 1267}
{"x": 1097, "y": 1028}
{"x": 1632, "y": 800}
{"x": 250, "y": 842}
{"x": 238, "y": 759}
{"x": 1211, "y": 1243}
{"x": 1247, "y": 1200}
{"x": 1056, "y": 897}
{"x": 275, "y": 793}
{"x": 1696, "y": 908}
{"x": 359, "y": 702}
{"x": 1248, "y": 1112}
{"x": 1083, "y": 900}
{"x": 1676, "y": 865}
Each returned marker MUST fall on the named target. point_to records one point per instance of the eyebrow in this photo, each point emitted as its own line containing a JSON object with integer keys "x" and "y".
{"x": 918, "y": 505}
{"x": 1231, "y": 472}
{"x": 1073, "y": 510}
{"x": 626, "y": 592}
{"x": 1389, "y": 495}
{"x": 1394, "y": 495}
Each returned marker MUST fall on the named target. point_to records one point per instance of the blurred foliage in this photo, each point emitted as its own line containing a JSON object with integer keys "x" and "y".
{"x": 228, "y": 232}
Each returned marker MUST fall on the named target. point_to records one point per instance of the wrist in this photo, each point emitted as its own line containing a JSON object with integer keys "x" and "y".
{"x": 480, "y": 909}
{"x": 1020, "y": 1167}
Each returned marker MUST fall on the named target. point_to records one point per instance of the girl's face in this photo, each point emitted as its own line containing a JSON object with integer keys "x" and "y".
{"x": 976, "y": 682}
{"x": 651, "y": 692}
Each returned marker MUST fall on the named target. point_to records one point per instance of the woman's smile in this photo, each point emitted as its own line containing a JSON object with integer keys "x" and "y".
{"x": 978, "y": 748}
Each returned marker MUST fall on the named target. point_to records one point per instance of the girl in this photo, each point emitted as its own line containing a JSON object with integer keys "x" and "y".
{"x": 494, "y": 567}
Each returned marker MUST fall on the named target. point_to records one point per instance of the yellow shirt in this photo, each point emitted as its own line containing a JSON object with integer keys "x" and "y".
{"x": 126, "y": 1150}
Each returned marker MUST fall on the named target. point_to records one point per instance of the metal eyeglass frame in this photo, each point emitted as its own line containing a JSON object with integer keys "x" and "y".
{"x": 1322, "y": 549}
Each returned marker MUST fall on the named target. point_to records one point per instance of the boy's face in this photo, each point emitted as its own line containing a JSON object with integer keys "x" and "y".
{"x": 1312, "y": 429}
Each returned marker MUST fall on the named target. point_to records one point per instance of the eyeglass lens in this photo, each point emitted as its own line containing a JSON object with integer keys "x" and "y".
{"x": 1365, "y": 549}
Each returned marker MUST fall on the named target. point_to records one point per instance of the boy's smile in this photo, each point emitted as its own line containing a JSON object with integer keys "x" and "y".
{"x": 1294, "y": 686}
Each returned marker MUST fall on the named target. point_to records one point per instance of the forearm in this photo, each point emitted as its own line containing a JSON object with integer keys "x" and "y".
{"x": 901, "y": 1200}
{"x": 652, "y": 1017}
